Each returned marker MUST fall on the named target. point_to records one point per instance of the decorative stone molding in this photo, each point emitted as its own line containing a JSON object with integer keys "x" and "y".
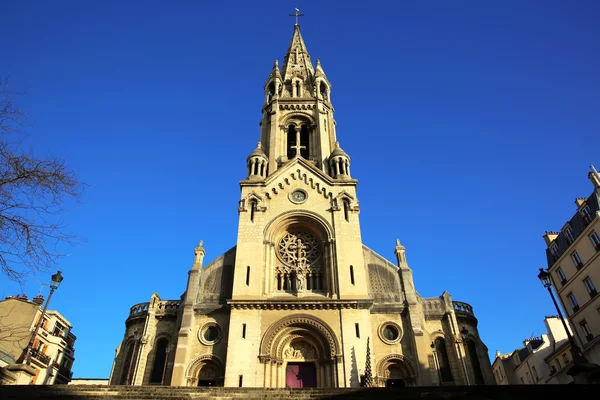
{"x": 300, "y": 305}
{"x": 301, "y": 176}
{"x": 296, "y": 106}
{"x": 244, "y": 204}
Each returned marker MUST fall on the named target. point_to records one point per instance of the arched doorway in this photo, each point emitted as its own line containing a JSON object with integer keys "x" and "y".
{"x": 300, "y": 351}
{"x": 394, "y": 370}
{"x": 208, "y": 374}
{"x": 206, "y": 370}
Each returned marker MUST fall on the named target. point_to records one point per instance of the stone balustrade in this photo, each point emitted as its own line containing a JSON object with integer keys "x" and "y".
{"x": 161, "y": 308}
{"x": 464, "y": 308}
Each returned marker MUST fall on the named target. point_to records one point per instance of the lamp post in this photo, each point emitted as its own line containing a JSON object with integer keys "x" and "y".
{"x": 25, "y": 357}
{"x": 576, "y": 353}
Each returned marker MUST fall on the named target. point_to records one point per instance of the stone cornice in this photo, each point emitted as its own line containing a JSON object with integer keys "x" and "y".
{"x": 300, "y": 304}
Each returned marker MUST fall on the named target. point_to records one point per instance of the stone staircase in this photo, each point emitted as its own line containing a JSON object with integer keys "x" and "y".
{"x": 80, "y": 392}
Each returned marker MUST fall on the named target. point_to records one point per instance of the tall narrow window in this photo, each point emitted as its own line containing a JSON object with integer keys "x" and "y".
{"x": 357, "y": 330}
{"x": 586, "y": 214}
{"x": 586, "y": 330}
{"x": 252, "y": 209}
{"x": 561, "y": 276}
{"x": 127, "y": 365}
{"x": 554, "y": 250}
{"x": 291, "y": 142}
{"x": 589, "y": 285}
{"x": 595, "y": 240}
{"x": 443, "y": 360}
{"x": 534, "y": 373}
{"x": 573, "y": 301}
{"x": 241, "y": 380}
{"x": 248, "y": 275}
{"x": 472, "y": 347}
{"x": 243, "y": 331}
{"x": 352, "y": 274}
{"x": 160, "y": 359}
{"x": 577, "y": 260}
{"x": 305, "y": 142}
{"x": 346, "y": 210}
{"x": 297, "y": 88}
{"x": 569, "y": 234}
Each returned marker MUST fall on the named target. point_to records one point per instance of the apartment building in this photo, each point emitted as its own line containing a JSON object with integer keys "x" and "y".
{"x": 53, "y": 351}
{"x": 573, "y": 255}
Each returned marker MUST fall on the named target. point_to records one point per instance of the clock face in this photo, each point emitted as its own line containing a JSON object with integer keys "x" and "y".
{"x": 298, "y": 196}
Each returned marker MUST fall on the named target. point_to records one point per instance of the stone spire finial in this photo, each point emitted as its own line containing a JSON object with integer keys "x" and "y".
{"x": 400, "y": 254}
{"x": 199, "y": 253}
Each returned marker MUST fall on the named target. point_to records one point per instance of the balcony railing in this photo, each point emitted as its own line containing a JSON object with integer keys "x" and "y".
{"x": 43, "y": 358}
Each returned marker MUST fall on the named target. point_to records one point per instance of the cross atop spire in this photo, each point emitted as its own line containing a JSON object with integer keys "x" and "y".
{"x": 297, "y": 14}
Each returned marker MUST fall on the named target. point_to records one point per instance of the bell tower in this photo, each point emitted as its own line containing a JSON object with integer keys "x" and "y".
{"x": 297, "y": 115}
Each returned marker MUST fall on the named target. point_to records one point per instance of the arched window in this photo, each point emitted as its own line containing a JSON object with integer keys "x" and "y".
{"x": 443, "y": 361}
{"x": 291, "y": 141}
{"x": 160, "y": 360}
{"x": 127, "y": 367}
{"x": 252, "y": 209}
{"x": 346, "y": 209}
{"x": 472, "y": 348}
{"x": 304, "y": 141}
{"x": 271, "y": 92}
{"x": 323, "y": 90}
{"x": 298, "y": 93}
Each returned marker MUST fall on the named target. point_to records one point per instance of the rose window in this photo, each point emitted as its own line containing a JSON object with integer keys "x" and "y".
{"x": 299, "y": 249}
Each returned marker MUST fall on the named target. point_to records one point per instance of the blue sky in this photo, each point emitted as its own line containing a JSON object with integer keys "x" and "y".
{"x": 471, "y": 126}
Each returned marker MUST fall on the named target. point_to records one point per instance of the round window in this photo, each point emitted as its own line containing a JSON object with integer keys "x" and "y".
{"x": 390, "y": 332}
{"x": 209, "y": 333}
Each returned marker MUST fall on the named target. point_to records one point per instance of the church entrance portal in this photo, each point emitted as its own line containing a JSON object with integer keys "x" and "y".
{"x": 301, "y": 375}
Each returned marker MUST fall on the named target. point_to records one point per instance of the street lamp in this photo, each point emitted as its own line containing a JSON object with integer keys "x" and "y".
{"x": 25, "y": 357}
{"x": 576, "y": 353}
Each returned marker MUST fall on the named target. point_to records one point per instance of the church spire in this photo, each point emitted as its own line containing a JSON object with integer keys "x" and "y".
{"x": 297, "y": 60}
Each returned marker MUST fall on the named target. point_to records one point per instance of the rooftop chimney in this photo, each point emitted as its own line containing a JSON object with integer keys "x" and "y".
{"x": 39, "y": 300}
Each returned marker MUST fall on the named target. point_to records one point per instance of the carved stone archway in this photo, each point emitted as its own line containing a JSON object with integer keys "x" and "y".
{"x": 300, "y": 339}
{"x": 397, "y": 369}
{"x": 205, "y": 367}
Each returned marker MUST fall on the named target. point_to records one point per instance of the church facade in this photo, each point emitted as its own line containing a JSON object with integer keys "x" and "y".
{"x": 300, "y": 301}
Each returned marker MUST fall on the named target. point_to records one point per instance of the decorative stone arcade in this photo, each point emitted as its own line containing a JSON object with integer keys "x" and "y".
{"x": 300, "y": 351}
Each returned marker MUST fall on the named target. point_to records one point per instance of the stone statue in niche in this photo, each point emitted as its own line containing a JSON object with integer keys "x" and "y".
{"x": 299, "y": 282}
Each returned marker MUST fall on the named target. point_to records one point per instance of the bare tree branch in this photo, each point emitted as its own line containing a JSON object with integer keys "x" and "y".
{"x": 33, "y": 193}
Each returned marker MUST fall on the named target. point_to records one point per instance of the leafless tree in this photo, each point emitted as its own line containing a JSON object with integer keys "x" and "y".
{"x": 33, "y": 194}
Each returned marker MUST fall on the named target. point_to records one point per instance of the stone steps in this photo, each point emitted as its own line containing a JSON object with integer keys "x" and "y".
{"x": 104, "y": 392}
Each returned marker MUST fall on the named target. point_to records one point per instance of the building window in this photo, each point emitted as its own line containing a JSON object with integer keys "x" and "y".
{"x": 535, "y": 375}
{"x": 243, "y": 331}
{"x": 554, "y": 250}
{"x": 573, "y": 301}
{"x": 241, "y": 380}
{"x": 586, "y": 214}
{"x": 561, "y": 276}
{"x": 248, "y": 275}
{"x": 589, "y": 285}
{"x": 357, "y": 330}
{"x": 586, "y": 330}
{"x": 352, "y": 274}
{"x": 565, "y": 358}
{"x": 577, "y": 260}
{"x": 522, "y": 381}
{"x": 58, "y": 330}
{"x": 558, "y": 363}
{"x": 569, "y": 234}
{"x": 595, "y": 240}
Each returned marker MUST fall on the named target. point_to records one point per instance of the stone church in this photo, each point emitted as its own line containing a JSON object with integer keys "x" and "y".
{"x": 300, "y": 301}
